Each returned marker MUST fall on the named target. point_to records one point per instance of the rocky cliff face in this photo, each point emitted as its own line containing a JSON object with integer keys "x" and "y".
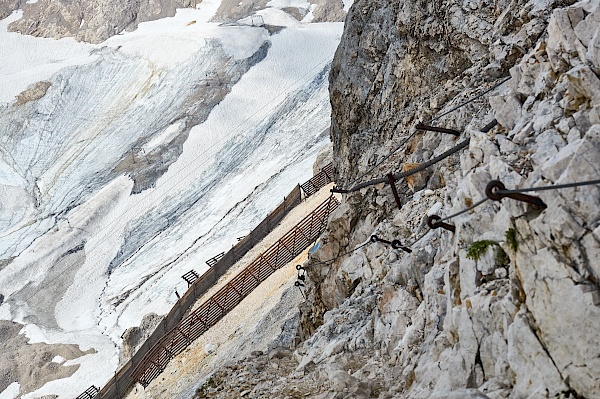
{"x": 521, "y": 319}
{"x": 507, "y": 306}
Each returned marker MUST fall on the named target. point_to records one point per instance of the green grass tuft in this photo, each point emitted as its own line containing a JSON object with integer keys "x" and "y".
{"x": 511, "y": 239}
{"x": 502, "y": 258}
{"x": 478, "y": 248}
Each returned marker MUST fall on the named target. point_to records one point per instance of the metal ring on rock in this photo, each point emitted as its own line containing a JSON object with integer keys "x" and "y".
{"x": 491, "y": 190}
{"x": 396, "y": 244}
{"x": 432, "y": 221}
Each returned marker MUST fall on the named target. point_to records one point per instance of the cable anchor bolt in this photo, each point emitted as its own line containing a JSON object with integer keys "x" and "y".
{"x": 453, "y": 132}
{"x": 392, "y": 181}
{"x": 396, "y": 244}
{"x": 299, "y": 284}
{"x": 495, "y": 190}
{"x": 434, "y": 223}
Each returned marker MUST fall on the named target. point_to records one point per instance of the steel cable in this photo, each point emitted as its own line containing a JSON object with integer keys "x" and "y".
{"x": 475, "y": 205}
{"x": 469, "y": 101}
{"x": 385, "y": 158}
{"x": 324, "y": 262}
{"x": 407, "y": 173}
{"x": 545, "y": 188}
{"x": 518, "y": 191}
{"x": 419, "y": 168}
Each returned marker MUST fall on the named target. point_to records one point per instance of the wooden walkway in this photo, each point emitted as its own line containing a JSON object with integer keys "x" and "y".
{"x": 124, "y": 379}
{"x": 228, "y": 297}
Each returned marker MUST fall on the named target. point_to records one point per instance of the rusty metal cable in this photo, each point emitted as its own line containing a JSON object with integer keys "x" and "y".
{"x": 419, "y": 168}
{"x": 470, "y": 100}
{"x": 385, "y": 158}
{"x": 407, "y": 173}
{"x": 545, "y": 188}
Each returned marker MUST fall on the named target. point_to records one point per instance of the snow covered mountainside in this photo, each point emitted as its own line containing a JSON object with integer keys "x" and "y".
{"x": 127, "y": 163}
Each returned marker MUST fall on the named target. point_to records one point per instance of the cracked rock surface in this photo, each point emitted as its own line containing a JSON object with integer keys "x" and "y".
{"x": 522, "y": 319}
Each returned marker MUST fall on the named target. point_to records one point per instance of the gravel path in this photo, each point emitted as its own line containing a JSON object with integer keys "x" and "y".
{"x": 251, "y": 326}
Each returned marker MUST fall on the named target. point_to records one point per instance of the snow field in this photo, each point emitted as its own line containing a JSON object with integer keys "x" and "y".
{"x": 254, "y": 147}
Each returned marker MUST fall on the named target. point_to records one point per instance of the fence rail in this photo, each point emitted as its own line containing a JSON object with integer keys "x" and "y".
{"x": 89, "y": 393}
{"x": 318, "y": 181}
{"x": 122, "y": 381}
{"x": 228, "y": 297}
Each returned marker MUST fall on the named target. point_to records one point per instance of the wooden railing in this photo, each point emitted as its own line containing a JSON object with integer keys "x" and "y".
{"x": 123, "y": 379}
{"x": 214, "y": 308}
{"x": 89, "y": 393}
{"x": 318, "y": 181}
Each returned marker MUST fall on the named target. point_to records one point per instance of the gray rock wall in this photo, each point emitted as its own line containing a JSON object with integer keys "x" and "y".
{"x": 436, "y": 322}
{"x": 8, "y": 6}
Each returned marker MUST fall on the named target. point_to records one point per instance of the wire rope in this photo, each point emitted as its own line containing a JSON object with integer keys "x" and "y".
{"x": 385, "y": 158}
{"x": 546, "y": 188}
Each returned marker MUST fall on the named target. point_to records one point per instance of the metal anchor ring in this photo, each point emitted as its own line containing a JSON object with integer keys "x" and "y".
{"x": 491, "y": 190}
{"x": 432, "y": 221}
{"x": 396, "y": 244}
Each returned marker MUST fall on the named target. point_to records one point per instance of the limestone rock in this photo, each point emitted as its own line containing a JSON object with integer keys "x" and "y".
{"x": 8, "y": 6}
{"x": 134, "y": 337}
{"x": 453, "y": 326}
{"x": 522, "y": 320}
{"x": 89, "y": 21}
{"x": 210, "y": 348}
{"x": 324, "y": 158}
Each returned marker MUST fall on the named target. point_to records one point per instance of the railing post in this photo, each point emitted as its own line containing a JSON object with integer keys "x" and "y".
{"x": 392, "y": 182}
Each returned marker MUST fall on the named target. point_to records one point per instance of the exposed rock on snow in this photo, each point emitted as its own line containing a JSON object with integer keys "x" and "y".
{"x": 319, "y": 10}
{"x": 134, "y": 337}
{"x": 96, "y": 21}
{"x": 32, "y": 365}
{"x": 91, "y": 21}
{"x": 8, "y": 6}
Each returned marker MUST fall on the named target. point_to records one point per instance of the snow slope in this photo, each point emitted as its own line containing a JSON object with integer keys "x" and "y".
{"x": 86, "y": 254}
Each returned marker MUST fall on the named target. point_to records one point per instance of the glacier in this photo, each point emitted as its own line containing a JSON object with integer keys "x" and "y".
{"x": 145, "y": 156}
